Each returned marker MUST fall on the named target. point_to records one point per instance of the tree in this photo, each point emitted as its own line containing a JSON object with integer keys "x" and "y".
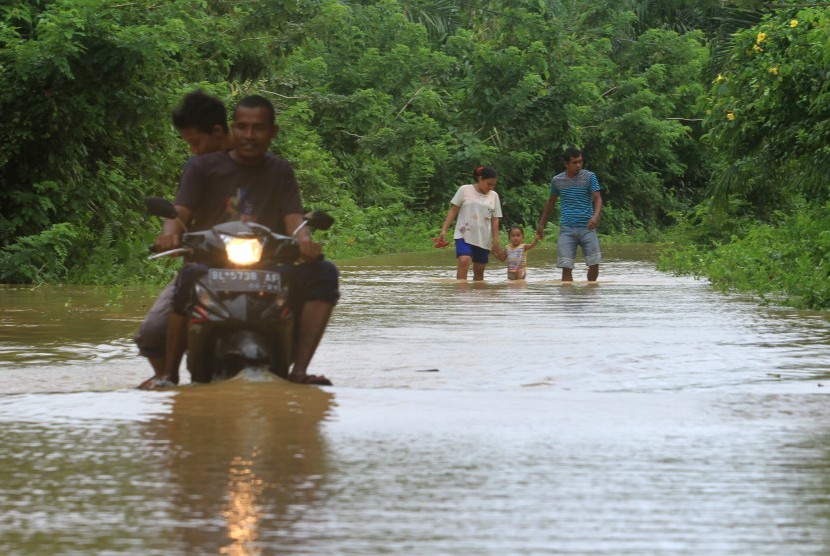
{"x": 769, "y": 111}
{"x": 86, "y": 87}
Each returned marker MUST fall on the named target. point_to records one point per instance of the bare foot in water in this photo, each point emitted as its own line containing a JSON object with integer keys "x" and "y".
{"x": 156, "y": 382}
{"x": 303, "y": 378}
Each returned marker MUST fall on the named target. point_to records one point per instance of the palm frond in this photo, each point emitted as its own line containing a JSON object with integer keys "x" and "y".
{"x": 440, "y": 17}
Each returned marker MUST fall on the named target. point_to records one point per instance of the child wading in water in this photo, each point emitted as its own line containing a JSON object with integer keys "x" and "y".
{"x": 516, "y": 254}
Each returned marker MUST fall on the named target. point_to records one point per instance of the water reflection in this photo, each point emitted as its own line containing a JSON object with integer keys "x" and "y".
{"x": 57, "y": 324}
{"x": 248, "y": 452}
{"x": 645, "y": 414}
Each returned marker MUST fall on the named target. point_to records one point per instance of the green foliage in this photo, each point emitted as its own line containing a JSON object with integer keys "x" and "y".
{"x": 765, "y": 227}
{"x": 360, "y": 232}
{"x": 522, "y": 206}
{"x": 298, "y": 141}
{"x": 86, "y": 88}
{"x": 642, "y": 140}
{"x": 769, "y": 111}
{"x": 783, "y": 262}
{"x": 40, "y": 258}
{"x": 702, "y": 230}
{"x": 439, "y": 17}
{"x": 510, "y": 88}
{"x": 372, "y": 84}
{"x": 386, "y": 106}
{"x": 621, "y": 225}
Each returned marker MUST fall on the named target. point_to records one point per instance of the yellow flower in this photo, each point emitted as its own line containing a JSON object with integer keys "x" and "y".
{"x": 793, "y": 23}
{"x": 757, "y": 48}
{"x": 773, "y": 71}
{"x": 719, "y": 78}
{"x": 730, "y": 116}
{"x": 761, "y": 38}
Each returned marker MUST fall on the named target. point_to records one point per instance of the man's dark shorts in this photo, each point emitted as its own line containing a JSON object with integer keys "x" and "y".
{"x": 315, "y": 281}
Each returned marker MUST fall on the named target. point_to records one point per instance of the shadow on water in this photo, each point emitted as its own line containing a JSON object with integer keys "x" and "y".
{"x": 245, "y": 461}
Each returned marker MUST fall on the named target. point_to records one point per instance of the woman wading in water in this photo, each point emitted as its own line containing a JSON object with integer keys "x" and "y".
{"x": 478, "y": 209}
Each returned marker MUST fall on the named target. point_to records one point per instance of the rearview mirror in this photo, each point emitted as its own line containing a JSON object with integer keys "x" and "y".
{"x": 160, "y": 207}
{"x": 319, "y": 220}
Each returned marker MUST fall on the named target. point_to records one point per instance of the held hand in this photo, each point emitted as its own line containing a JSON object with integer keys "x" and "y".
{"x": 171, "y": 233}
{"x": 439, "y": 241}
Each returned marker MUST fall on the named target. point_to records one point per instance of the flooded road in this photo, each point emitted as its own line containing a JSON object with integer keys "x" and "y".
{"x": 645, "y": 414}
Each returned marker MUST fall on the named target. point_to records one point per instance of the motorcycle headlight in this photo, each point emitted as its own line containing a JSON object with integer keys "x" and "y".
{"x": 242, "y": 251}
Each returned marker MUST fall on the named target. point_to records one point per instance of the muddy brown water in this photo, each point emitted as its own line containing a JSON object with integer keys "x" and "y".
{"x": 646, "y": 414}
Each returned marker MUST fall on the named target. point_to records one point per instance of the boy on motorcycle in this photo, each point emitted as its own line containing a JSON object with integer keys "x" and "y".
{"x": 202, "y": 122}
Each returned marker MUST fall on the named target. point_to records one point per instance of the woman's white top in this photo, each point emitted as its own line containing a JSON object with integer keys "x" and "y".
{"x": 475, "y": 218}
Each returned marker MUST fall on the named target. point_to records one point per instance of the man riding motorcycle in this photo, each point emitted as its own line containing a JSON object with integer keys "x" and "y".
{"x": 250, "y": 184}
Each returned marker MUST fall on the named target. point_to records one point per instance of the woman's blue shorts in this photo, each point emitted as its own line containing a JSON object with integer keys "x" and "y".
{"x": 479, "y": 254}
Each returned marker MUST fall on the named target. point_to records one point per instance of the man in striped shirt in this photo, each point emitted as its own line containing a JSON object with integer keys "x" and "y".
{"x": 580, "y": 211}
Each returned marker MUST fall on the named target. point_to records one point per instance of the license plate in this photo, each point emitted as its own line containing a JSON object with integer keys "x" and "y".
{"x": 232, "y": 280}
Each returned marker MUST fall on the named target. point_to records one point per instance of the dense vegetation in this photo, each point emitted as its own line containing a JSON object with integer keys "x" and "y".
{"x": 693, "y": 114}
{"x": 764, "y": 226}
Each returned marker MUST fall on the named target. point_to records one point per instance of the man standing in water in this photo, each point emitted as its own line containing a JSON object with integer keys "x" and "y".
{"x": 580, "y": 211}
{"x": 202, "y": 123}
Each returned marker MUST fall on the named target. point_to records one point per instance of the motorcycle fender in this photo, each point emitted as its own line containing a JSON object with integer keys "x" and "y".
{"x": 246, "y": 344}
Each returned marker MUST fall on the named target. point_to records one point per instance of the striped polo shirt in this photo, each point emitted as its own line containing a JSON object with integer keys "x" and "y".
{"x": 575, "y": 202}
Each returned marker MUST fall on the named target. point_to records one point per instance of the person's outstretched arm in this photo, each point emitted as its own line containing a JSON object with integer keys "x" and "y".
{"x": 596, "y": 197}
{"x": 495, "y": 223}
{"x": 451, "y": 214}
{"x": 540, "y": 229}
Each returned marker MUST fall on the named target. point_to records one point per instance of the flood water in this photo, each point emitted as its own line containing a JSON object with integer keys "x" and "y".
{"x": 645, "y": 414}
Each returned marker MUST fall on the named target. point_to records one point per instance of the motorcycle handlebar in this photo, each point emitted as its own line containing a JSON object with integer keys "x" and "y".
{"x": 171, "y": 253}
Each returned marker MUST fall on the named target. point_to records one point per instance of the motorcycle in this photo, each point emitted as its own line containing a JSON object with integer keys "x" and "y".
{"x": 240, "y": 317}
